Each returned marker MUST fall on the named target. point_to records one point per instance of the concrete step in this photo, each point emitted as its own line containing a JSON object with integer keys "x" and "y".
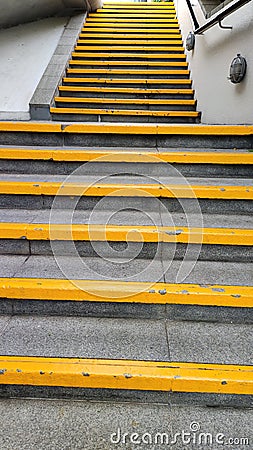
{"x": 105, "y": 161}
{"x": 122, "y": 115}
{"x": 128, "y": 241}
{"x": 214, "y": 196}
{"x": 126, "y": 135}
{"x": 97, "y": 352}
{"x": 144, "y": 83}
{"x": 127, "y": 57}
{"x": 93, "y": 287}
{"x": 60, "y": 424}
{"x": 129, "y": 49}
{"x": 80, "y": 64}
{"x": 129, "y": 73}
{"x": 124, "y": 56}
{"x": 127, "y": 93}
{"x": 125, "y": 104}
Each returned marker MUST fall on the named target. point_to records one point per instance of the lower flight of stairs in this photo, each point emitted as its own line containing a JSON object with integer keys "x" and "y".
{"x": 128, "y": 65}
{"x": 110, "y": 317}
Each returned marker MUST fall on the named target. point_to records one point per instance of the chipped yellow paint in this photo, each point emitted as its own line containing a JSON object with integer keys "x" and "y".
{"x": 126, "y": 374}
{"x": 141, "y": 15}
{"x": 135, "y": 20}
{"x": 130, "y": 233}
{"x": 130, "y": 101}
{"x": 147, "y": 91}
{"x": 127, "y": 63}
{"x": 119, "y": 35}
{"x": 127, "y": 26}
{"x": 121, "y": 292}
{"x": 129, "y": 55}
{"x": 121, "y": 128}
{"x": 110, "y": 47}
{"x": 130, "y": 71}
{"x": 143, "y": 41}
{"x": 187, "y": 157}
{"x": 127, "y": 190}
{"x": 129, "y": 81}
{"x": 124, "y": 112}
{"x": 112, "y": 29}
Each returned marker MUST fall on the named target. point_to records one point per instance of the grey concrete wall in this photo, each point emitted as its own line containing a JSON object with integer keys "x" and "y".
{"x": 15, "y": 12}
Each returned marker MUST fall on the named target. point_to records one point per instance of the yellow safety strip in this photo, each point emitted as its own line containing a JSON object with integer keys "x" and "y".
{"x": 130, "y": 233}
{"x": 121, "y": 292}
{"x": 185, "y": 157}
{"x": 126, "y": 374}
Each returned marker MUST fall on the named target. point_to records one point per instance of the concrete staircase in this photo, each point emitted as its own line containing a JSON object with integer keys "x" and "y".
{"x": 128, "y": 64}
{"x": 126, "y": 277}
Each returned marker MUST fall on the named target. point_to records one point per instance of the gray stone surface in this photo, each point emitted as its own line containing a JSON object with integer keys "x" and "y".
{"x": 91, "y": 268}
{"x": 83, "y": 425}
{"x": 233, "y": 424}
{"x": 210, "y": 342}
{"x": 10, "y": 264}
{"x": 65, "y": 425}
{"x": 210, "y": 272}
{"x": 85, "y": 337}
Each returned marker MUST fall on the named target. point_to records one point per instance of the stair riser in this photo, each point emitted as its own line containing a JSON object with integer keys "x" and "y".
{"x": 112, "y": 395}
{"x": 116, "y": 204}
{"x": 157, "y": 66}
{"x": 123, "y": 84}
{"x": 126, "y": 310}
{"x": 106, "y": 168}
{"x": 115, "y": 57}
{"x": 118, "y": 76}
{"x": 124, "y": 140}
{"x": 149, "y": 250}
{"x": 124, "y": 106}
{"x": 121, "y": 118}
{"x": 125, "y": 95}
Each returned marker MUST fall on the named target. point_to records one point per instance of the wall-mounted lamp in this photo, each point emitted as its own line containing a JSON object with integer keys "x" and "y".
{"x": 190, "y": 41}
{"x": 238, "y": 69}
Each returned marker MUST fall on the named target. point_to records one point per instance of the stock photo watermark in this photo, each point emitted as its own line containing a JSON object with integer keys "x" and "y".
{"x": 193, "y": 436}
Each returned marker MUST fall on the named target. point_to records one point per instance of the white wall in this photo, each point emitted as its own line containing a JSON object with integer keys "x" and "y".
{"x": 220, "y": 101}
{"x": 15, "y": 12}
{"x": 25, "y": 52}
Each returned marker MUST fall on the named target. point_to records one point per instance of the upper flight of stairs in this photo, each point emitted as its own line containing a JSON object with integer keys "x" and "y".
{"x": 128, "y": 65}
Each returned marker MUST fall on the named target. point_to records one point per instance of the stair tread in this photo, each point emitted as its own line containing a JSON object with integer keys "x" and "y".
{"x": 123, "y": 218}
{"x": 124, "y": 179}
{"x": 122, "y": 112}
{"x": 94, "y": 268}
{"x": 100, "y": 420}
{"x": 132, "y": 339}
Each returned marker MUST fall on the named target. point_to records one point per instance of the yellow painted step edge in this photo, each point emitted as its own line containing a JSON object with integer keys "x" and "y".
{"x": 129, "y": 41}
{"x": 118, "y": 35}
{"x": 126, "y": 374}
{"x": 121, "y": 128}
{"x": 131, "y": 101}
{"x": 128, "y": 26}
{"x": 132, "y": 90}
{"x": 122, "y": 112}
{"x": 76, "y": 62}
{"x": 130, "y": 292}
{"x": 130, "y": 233}
{"x": 186, "y": 157}
{"x": 129, "y": 81}
{"x": 127, "y": 55}
{"x": 83, "y": 47}
{"x": 130, "y": 71}
{"x": 126, "y": 190}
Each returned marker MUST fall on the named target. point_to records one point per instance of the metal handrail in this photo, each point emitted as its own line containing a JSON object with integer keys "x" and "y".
{"x": 217, "y": 18}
